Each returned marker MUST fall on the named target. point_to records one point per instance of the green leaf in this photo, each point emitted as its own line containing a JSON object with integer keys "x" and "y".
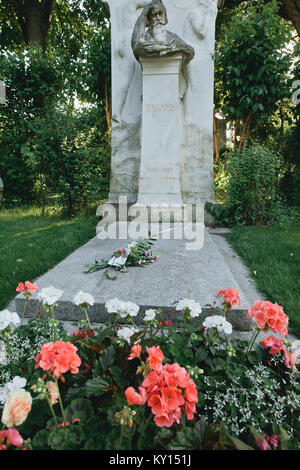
{"x": 108, "y": 357}
{"x": 96, "y": 386}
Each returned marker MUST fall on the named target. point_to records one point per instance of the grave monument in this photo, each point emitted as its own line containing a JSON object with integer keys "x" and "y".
{"x": 162, "y": 101}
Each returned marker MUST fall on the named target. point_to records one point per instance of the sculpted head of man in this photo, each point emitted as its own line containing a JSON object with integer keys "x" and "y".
{"x": 157, "y": 14}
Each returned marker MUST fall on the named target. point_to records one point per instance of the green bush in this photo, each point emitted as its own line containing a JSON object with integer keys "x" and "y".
{"x": 252, "y": 186}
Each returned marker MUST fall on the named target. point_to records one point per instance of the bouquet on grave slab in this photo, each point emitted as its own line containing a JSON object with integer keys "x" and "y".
{"x": 138, "y": 253}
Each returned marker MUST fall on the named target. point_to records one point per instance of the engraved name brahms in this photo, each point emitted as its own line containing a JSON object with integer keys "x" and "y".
{"x": 162, "y": 170}
{"x": 156, "y": 108}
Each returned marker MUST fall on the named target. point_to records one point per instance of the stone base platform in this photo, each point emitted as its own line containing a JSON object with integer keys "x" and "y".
{"x": 178, "y": 273}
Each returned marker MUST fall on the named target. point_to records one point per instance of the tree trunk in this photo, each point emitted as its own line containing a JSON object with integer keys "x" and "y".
{"x": 216, "y": 138}
{"x": 34, "y": 17}
{"x": 290, "y": 10}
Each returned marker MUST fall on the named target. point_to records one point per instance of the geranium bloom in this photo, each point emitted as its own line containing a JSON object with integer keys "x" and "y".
{"x": 16, "y": 408}
{"x": 150, "y": 314}
{"x": 231, "y": 296}
{"x": 275, "y": 344}
{"x": 219, "y": 322}
{"x": 135, "y": 351}
{"x": 155, "y": 357}
{"x": 290, "y": 357}
{"x": 58, "y": 358}
{"x": 125, "y": 333}
{"x": 49, "y": 295}
{"x": 262, "y": 443}
{"x": 269, "y": 316}
{"x": 83, "y": 298}
{"x": 53, "y": 392}
{"x": 17, "y": 383}
{"x": 27, "y": 287}
{"x": 189, "y": 304}
{"x": 135, "y": 398}
{"x": 167, "y": 390}
{"x": 122, "y": 308}
{"x": 12, "y": 436}
{"x": 82, "y": 334}
{"x": 7, "y": 317}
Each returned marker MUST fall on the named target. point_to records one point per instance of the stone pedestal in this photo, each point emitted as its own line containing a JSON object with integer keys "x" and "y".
{"x": 159, "y": 177}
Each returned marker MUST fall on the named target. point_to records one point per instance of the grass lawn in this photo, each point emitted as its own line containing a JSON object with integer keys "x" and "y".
{"x": 273, "y": 256}
{"x": 30, "y": 244}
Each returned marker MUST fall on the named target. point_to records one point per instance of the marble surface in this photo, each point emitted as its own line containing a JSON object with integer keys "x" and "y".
{"x": 194, "y": 22}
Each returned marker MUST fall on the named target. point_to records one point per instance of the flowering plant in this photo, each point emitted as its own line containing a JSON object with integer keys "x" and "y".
{"x": 175, "y": 381}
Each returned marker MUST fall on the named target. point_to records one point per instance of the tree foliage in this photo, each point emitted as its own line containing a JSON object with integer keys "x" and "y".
{"x": 252, "y": 67}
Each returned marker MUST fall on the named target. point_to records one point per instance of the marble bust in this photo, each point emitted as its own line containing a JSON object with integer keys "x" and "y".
{"x": 150, "y": 37}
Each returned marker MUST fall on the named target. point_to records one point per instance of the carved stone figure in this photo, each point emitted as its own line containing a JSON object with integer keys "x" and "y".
{"x": 151, "y": 38}
{"x": 125, "y": 14}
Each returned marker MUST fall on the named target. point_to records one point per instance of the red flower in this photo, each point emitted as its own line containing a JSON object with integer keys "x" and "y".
{"x": 231, "y": 296}
{"x": 82, "y": 334}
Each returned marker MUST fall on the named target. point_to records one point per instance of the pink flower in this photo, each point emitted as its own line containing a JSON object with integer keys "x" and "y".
{"x": 263, "y": 443}
{"x": 135, "y": 351}
{"x": 288, "y": 357}
{"x": 231, "y": 296}
{"x": 31, "y": 287}
{"x": 58, "y": 358}
{"x": 274, "y": 440}
{"x": 155, "y": 357}
{"x": 269, "y": 316}
{"x": 133, "y": 397}
{"x": 12, "y": 436}
{"x": 167, "y": 390}
{"x": 275, "y": 344}
{"x": 26, "y": 287}
{"x": 21, "y": 287}
{"x": 139, "y": 261}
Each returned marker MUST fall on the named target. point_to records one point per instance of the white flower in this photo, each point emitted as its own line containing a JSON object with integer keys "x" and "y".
{"x": 18, "y": 383}
{"x": 114, "y": 305}
{"x": 117, "y": 261}
{"x": 7, "y": 317}
{"x": 219, "y": 322}
{"x": 194, "y": 307}
{"x": 125, "y": 333}
{"x": 49, "y": 295}
{"x": 131, "y": 309}
{"x": 123, "y": 309}
{"x": 150, "y": 315}
{"x": 83, "y": 298}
